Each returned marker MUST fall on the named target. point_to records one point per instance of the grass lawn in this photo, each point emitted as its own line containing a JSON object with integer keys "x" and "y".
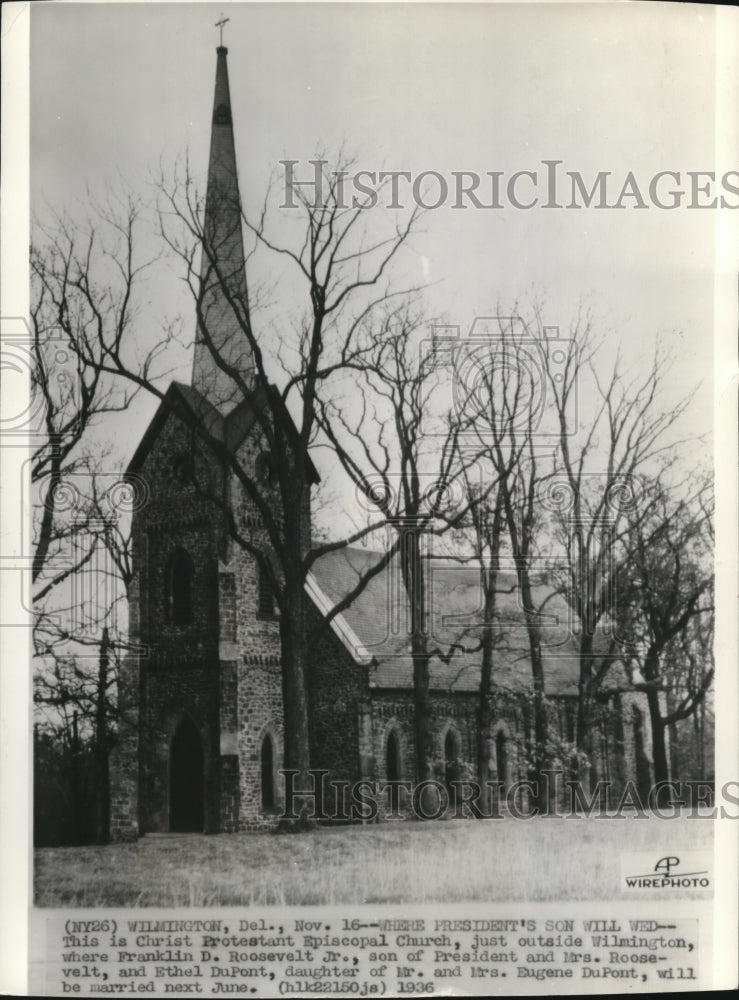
{"x": 406, "y": 862}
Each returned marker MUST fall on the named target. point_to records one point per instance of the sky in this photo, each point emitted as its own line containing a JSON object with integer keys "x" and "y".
{"x": 118, "y": 88}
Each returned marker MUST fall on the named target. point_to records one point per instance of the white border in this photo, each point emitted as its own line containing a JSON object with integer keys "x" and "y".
{"x": 726, "y": 449}
{"x": 15, "y": 771}
{"x": 15, "y": 683}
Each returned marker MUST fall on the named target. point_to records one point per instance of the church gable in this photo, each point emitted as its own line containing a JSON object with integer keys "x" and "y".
{"x": 184, "y": 408}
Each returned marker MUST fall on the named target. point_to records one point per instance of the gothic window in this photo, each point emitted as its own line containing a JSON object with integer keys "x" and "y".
{"x": 265, "y": 469}
{"x": 394, "y": 771}
{"x": 266, "y": 596}
{"x": 268, "y": 774}
{"x": 451, "y": 759}
{"x": 393, "y": 761}
{"x": 178, "y": 582}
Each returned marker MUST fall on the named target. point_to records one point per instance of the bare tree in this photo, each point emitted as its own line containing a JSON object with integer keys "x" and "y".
{"x": 342, "y": 269}
{"x": 500, "y": 417}
{"x": 414, "y": 480}
{"x": 68, "y": 375}
{"x": 594, "y": 492}
{"x": 76, "y": 593}
{"x": 665, "y": 610}
{"x": 75, "y": 696}
{"x": 488, "y": 519}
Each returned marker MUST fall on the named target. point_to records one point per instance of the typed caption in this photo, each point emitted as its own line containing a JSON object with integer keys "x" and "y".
{"x": 515, "y": 950}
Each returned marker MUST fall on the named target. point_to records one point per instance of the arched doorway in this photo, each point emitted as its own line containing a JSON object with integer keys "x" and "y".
{"x": 186, "y": 780}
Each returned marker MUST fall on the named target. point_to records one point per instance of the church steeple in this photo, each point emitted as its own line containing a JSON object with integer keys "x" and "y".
{"x": 222, "y": 269}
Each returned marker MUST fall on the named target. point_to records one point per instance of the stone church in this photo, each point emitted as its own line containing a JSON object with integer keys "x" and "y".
{"x": 201, "y": 738}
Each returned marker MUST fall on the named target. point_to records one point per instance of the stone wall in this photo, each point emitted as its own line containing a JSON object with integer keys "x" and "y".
{"x": 175, "y": 672}
{"x": 256, "y": 638}
{"x": 337, "y": 684}
{"x": 455, "y": 712}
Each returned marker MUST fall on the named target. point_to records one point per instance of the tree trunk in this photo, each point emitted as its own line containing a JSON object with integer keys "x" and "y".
{"x": 295, "y": 709}
{"x": 485, "y": 720}
{"x": 422, "y": 709}
{"x": 537, "y": 674}
{"x": 414, "y": 581}
{"x": 659, "y": 749}
{"x": 47, "y": 519}
{"x": 585, "y": 702}
{"x": 102, "y": 779}
{"x": 701, "y": 716}
{"x": 485, "y": 709}
{"x": 75, "y": 781}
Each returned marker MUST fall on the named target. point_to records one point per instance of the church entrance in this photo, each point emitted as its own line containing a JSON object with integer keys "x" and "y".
{"x": 186, "y": 781}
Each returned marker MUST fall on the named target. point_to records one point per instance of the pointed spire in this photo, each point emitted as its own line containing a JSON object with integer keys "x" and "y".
{"x": 222, "y": 269}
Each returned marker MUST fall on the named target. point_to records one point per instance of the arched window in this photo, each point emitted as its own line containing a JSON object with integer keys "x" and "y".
{"x": 178, "y": 582}
{"x": 265, "y": 468}
{"x": 268, "y": 774}
{"x": 266, "y": 596}
{"x": 394, "y": 771}
{"x": 393, "y": 760}
{"x": 501, "y": 757}
{"x": 451, "y": 759}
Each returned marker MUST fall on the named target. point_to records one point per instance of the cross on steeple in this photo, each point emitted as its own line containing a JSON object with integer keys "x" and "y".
{"x": 220, "y": 24}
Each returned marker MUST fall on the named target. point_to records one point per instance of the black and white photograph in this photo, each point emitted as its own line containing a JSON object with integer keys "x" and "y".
{"x": 370, "y": 437}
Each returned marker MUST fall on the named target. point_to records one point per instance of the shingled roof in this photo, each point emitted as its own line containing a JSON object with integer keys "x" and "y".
{"x": 376, "y": 624}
